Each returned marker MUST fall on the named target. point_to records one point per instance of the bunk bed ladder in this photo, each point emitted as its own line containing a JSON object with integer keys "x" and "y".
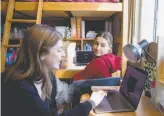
{"x": 7, "y": 27}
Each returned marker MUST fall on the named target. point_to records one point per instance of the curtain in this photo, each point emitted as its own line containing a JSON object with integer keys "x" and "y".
{"x": 131, "y": 19}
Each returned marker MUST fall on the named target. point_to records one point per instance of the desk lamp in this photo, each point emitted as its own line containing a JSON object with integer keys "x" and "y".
{"x": 134, "y": 52}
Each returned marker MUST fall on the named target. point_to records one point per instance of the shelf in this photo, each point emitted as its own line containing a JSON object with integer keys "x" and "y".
{"x": 12, "y": 46}
{"x": 57, "y": 9}
{"x": 79, "y": 39}
{"x": 88, "y": 39}
{"x": 72, "y": 39}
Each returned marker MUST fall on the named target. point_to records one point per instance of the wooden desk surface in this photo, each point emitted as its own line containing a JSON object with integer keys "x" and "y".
{"x": 65, "y": 74}
{"x": 145, "y": 108}
{"x": 69, "y": 73}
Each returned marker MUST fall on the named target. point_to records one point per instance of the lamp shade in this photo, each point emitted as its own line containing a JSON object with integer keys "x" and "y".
{"x": 133, "y": 52}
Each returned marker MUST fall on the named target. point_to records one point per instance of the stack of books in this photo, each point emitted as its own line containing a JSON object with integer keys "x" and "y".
{"x": 77, "y": 27}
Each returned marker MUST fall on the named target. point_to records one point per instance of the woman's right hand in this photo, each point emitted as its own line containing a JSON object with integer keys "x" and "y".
{"x": 98, "y": 96}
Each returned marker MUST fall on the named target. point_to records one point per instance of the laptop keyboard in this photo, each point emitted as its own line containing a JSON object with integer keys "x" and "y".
{"x": 117, "y": 101}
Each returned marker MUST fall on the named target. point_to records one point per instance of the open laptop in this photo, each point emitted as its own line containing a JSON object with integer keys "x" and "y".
{"x": 84, "y": 57}
{"x": 128, "y": 97}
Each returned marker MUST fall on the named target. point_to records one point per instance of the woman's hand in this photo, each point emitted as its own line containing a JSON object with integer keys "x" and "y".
{"x": 98, "y": 96}
{"x": 60, "y": 108}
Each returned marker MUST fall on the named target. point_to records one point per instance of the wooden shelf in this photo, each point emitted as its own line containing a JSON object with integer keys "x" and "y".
{"x": 72, "y": 39}
{"x": 12, "y": 46}
{"x": 57, "y": 9}
{"x": 79, "y": 39}
{"x": 88, "y": 39}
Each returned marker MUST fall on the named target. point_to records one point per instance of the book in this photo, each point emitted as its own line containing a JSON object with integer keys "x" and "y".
{"x": 73, "y": 27}
{"x": 83, "y": 29}
{"x": 78, "y": 27}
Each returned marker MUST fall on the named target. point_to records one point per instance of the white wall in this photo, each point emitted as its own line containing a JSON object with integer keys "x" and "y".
{"x": 160, "y": 25}
{"x": 147, "y": 20}
{"x": 160, "y": 32}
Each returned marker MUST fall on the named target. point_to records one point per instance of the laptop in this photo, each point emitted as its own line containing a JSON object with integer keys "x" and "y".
{"x": 84, "y": 57}
{"x": 128, "y": 97}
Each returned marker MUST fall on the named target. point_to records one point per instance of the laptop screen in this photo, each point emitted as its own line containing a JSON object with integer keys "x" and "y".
{"x": 84, "y": 57}
{"x": 133, "y": 84}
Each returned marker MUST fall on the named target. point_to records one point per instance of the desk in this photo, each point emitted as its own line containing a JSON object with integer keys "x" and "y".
{"x": 145, "y": 108}
{"x": 65, "y": 74}
{"x": 70, "y": 72}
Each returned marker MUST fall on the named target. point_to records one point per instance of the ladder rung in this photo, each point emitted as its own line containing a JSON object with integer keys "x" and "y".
{"x": 22, "y": 21}
{"x": 12, "y": 46}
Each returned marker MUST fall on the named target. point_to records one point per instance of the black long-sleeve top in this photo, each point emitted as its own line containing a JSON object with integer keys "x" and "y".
{"x": 21, "y": 98}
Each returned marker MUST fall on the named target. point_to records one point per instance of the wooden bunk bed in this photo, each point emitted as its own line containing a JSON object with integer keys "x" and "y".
{"x": 83, "y": 9}
{"x": 79, "y": 9}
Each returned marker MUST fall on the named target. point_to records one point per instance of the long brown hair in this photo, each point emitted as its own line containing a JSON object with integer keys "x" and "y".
{"x": 106, "y": 35}
{"x": 36, "y": 43}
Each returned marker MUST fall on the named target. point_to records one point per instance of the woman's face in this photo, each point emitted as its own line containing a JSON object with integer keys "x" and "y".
{"x": 101, "y": 47}
{"x": 53, "y": 59}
